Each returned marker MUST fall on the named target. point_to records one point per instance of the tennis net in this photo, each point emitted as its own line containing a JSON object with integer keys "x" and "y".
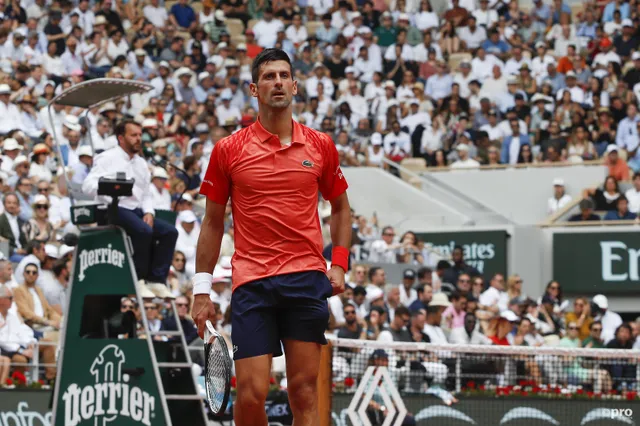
{"x": 482, "y": 384}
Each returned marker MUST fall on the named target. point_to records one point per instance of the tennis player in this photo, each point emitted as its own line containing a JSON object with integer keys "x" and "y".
{"x": 273, "y": 171}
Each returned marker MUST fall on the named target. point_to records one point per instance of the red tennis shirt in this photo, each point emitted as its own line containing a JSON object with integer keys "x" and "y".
{"x": 274, "y": 198}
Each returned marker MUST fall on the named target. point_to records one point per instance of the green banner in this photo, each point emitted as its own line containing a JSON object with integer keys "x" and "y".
{"x": 597, "y": 262}
{"x": 104, "y": 380}
{"x": 484, "y": 250}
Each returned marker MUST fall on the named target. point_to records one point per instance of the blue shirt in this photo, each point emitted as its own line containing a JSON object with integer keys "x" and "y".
{"x": 607, "y": 14}
{"x": 614, "y": 215}
{"x": 564, "y": 9}
{"x": 586, "y": 30}
{"x": 183, "y": 14}
{"x": 495, "y": 48}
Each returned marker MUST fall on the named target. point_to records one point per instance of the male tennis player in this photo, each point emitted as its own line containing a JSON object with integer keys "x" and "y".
{"x": 273, "y": 171}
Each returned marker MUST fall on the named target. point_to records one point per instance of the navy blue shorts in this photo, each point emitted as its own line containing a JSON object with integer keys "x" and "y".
{"x": 266, "y": 311}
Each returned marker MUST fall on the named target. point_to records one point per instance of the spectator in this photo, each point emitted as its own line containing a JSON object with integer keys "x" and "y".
{"x": 384, "y": 250}
{"x": 188, "y": 233}
{"x": 572, "y": 339}
{"x": 594, "y": 340}
{"x": 560, "y": 197}
{"x": 609, "y": 319}
{"x": 622, "y": 210}
{"x": 407, "y": 293}
{"x": 617, "y": 168}
{"x": 469, "y": 333}
{"x": 398, "y": 329}
{"x": 586, "y": 212}
{"x": 581, "y": 316}
{"x": 32, "y": 305}
{"x": 494, "y": 299}
{"x": 188, "y": 327}
{"x": 337, "y": 304}
{"x": 35, "y": 253}
{"x": 459, "y": 266}
{"x": 432, "y": 328}
{"x": 606, "y": 198}
{"x": 351, "y": 329}
{"x": 454, "y": 315}
{"x": 11, "y": 227}
{"x": 424, "y": 299}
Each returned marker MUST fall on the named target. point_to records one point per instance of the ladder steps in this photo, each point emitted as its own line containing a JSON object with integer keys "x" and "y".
{"x": 183, "y": 397}
{"x": 174, "y": 365}
{"x": 165, "y": 333}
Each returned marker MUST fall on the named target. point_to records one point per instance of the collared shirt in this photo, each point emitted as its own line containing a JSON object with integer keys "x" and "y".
{"x": 627, "y": 134}
{"x": 15, "y": 229}
{"x": 264, "y": 179}
{"x": 117, "y": 160}
{"x": 14, "y": 334}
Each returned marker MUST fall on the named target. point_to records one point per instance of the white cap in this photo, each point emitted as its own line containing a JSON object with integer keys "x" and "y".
{"x": 140, "y": 52}
{"x": 203, "y": 75}
{"x": 64, "y": 249}
{"x": 226, "y": 95}
{"x": 393, "y": 102}
{"x": 601, "y": 301}
{"x": 149, "y": 122}
{"x": 187, "y": 216}
{"x": 376, "y": 139}
{"x": 51, "y": 250}
{"x": 355, "y": 15}
{"x": 440, "y": 299}
{"x": 40, "y": 199}
{"x": 570, "y": 73}
{"x": 414, "y": 101}
{"x": 509, "y": 316}
{"x": 160, "y": 143}
{"x": 349, "y": 69}
{"x": 5, "y": 89}
{"x": 389, "y": 83}
{"x": 611, "y": 148}
{"x": 164, "y": 64}
{"x": 11, "y": 144}
{"x": 182, "y": 71}
{"x": 221, "y": 46}
{"x": 374, "y": 294}
{"x": 558, "y": 182}
{"x": 219, "y": 15}
{"x": 85, "y": 150}
{"x": 364, "y": 30}
{"x": 159, "y": 172}
{"x": 462, "y": 147}
{"x": 231, "y": 63}
{"x": 512, "y": 79}
{"x": 635, "y": 56}
{"x": 187, "y": 197}
{"x": 540, "y": 44}
{"x": 241, "y": 46}
{"x": 109, "y": 106}
{"x": 72, "y": 122}
{"x": 19, "y": 160}
{"x": 403, "y": 17}
{"x": 627, "y": 23}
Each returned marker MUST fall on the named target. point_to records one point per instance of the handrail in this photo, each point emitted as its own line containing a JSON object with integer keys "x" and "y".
{"x": 592, "y": 223}
{"x": 35, "y": 363}
{"x": 562, "y": 211}
{"x": 520, "y": 166}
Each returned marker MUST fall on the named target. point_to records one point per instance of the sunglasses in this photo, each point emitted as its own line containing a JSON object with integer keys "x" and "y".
{"x": 42, "y": 206}
{"x": 349, "y": 312}
{"x": 596, "y": 329}
{"x": 148, "y": 308}
{"x": 573, "y": 328}
{"x": 388, "y": 235}
{"x": 554, "y": 288}
{"x": 180, "y": 259}
{"x": 182, "y": 304}
{"x": 31, "y": 272}
{"x": 43, "y": 190}
{"x": 126, "y": 306}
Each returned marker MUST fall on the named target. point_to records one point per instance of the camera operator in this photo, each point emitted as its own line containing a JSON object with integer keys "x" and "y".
{"x": 153, "y": 239}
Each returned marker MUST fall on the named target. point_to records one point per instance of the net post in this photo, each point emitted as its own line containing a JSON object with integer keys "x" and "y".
{"x": 324, "y": 385}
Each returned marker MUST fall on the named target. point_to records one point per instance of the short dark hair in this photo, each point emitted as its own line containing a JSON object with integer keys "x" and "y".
{"x": 268, "y": 55}
{"x": 188, "y": 162}
{"x": 457, "y": 295}
{"x": 31, "y": 264}
{"x": 359, "y": 291}
{"x": 423, "y": 272}
{"x": 33, "y": 245}
{"x": 372, "y": 271}
{"x": 402, "y": 310}
{"x": 58, "y": 267}
{"x": 10, "y": 194}
{"x": 121, "y": 127}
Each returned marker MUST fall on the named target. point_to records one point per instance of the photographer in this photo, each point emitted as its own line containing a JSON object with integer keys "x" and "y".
{"x": 153, "y": 239}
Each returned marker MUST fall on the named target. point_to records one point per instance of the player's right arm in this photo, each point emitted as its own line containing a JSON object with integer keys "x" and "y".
{"x": 216, "y": 187}
{"x": 207, "y": 252}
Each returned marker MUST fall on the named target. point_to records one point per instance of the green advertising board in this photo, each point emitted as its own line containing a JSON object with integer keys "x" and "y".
{"x": 104, "y": 380}
{"x": 484, "y": 250}
{"x": 597, "y": 262}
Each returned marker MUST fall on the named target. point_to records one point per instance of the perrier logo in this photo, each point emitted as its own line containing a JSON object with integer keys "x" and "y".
{"x": 111, "y": 397}
{"x": 99, "y": 256}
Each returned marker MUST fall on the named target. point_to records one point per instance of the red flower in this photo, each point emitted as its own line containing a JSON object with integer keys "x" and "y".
{"x": 19, "y": 377}
{"x": 233, "y": 382}
{"x": 524, "y": 393}
{"x": 536, "y": 389}
{"x": 557, "y": 390}
{"x": 482, "y": 387}
{"x": 272, "y": 381}
{"x": 580, "y": 391}
{"x": 9, "y": 382}
{"x": 590, "y": 394}
{"x": 631, "y": 395}
{"x": 613, "y": 392}
{"x": 471, "y": 384}
{"x": 523, "y": 382}
{"x": 348, "y": 382}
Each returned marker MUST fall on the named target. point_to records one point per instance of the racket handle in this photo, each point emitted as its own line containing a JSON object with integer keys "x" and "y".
{"x": 209, "y": 331}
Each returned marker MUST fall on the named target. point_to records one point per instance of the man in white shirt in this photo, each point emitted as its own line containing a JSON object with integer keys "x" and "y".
{"x": 397, "y": 144}
{"x": 633, "y": 195}
{"x": 384, "y": 250}
{"x": 577, "y": 94}
{"x": 464, "y": 162}
{"x": 559, "y": 199}
{"x": 225, "y": 110}
{"x": 472, "y": 35}
{"x": 266, "y": 30}
{"x": 153, "y": 239}
{"x": 156, "y": 14}
{"x": 610, "y": 320}
{"x": 160, "y": 194}
{"x": 432, "y": 328}
{"x": 494, "y": 299}
{"x": 9, "y": 112}
{"x": 16, "y": 338}
{"x": 311, "y": 84}
{"x": 188, "y": 233}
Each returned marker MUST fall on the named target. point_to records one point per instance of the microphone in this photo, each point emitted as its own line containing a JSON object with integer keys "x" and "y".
{"x": 70, "y": 239}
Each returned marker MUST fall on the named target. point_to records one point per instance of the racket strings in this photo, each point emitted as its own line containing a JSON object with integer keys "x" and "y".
{"x": 218, "y": 374}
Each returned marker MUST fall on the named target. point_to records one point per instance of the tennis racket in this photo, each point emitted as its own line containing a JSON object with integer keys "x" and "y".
{"x": 217, "y": 370}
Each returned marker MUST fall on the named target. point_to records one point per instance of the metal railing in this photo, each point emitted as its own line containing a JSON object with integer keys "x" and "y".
{"x": 35, "y": 364}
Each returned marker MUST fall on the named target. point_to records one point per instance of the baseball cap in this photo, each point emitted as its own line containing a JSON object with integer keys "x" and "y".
{"x": 558, "y": 182}
{"x": 601, "y": 301}
{"x": 376, "y": 139}
{"x": 635, "y": 56}
{"x": 612, "y": 148}
{"x": 627, "y": 23}
{"x": 85, "y": 150}
{"x": 187, "y": 216}
{"x": 409, "y": 274}
{"x": 159, "y": 172}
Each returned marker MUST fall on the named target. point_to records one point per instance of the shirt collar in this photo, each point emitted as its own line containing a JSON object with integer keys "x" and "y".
{"x": 264, "y": 135}
{"x": 124, "y": 154}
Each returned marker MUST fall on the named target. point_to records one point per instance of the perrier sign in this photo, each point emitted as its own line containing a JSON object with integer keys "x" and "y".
{"x": 94, "y": 385}
{"x": 484, "y": 250}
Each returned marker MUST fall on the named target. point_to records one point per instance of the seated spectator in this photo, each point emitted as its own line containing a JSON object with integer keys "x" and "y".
{"x": 572, "y": 339}
{"x": 560, "y": 197}
{"x": 622, "y": 210}
{"x": 188, "y": 326}
{"x": 188, "y": 233}
{"x": 352, "y": 328}
{"x": 459, "y": 266}
{"x": 183, "y": 16}
{"x": 454, "y": 315}
{"x": 11, "y": 227}
{"x": 610, "y": 320}
{"x": 407, "y": 293}
{"x": 500, "y": 328}
{"x": 605, "y": 199}
{"x": 464, "y": 162}
{"x": 398, "y": 330}
{"x": 586, "y": 212}
{"x": 32, "y": 305}
{"x": 594, "y": 340}
{"x": 494, "y": 299}
{"x": 36, "y": 254}
{"x": 424, "y": 298}
{"x": 633, "y": 194}
{"x": 17, "y": 340}
{"x": 39, "y": 228}
{"x": 581, "y": 315}
{"x": 384, "y": 250}
{"x": 618, "y": 168}
{"x": 432, "y": 328}
{"x": 469, "y": 333}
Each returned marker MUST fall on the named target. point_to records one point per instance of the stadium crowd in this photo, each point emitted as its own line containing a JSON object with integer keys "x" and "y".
{"x": 459, "y": 85}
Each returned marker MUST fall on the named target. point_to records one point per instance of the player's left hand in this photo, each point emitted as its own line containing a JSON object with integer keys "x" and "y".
{"x": 336, "y": 278}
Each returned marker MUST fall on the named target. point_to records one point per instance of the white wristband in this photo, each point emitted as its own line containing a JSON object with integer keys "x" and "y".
{"x": 202, "y": 283}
